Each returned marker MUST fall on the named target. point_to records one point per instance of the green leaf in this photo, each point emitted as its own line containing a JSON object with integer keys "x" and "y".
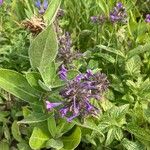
{"x": 3, "y": 116}
{"x": 39, "y": 137}
{"x": 93, "y": 64}
{"x": 117, "y": 83}
{"x": 147, "y": 114}
{"x": 16, "y": 84}
{"x": 133, "y": 66}
{"x": 6, "y": 131}
{"x": 107, "y": 57}
{"x": 106, "y": 104}
{"x": 103, "y": 5}
{"x": 26, "y": 111}
{"x": 138, "y": 50}
{"x": 111, "y": 50}
{"x": 72, "y": 74}
{"x": 59, "y": 82}
{"x": 33, "y": 79}
{"x": 29, "y": 8}
{"x": 51, "y": 11}
{"x": 73, "y": 140}
{"x": 48, "y": 74}
{"x": 4, "y": 146}
{"x": 52, "y": 126}
{"x": 115, "y": 116}
{"x": 23, "y": 146}
{"x": 16, "y": 132}
{"x": 18, "y": 10}
{"x": 139, "y": 132}
{"x": 57, "y": 144}
{"x": 43, "y": 48}
{"x": 119, "y": 112}
{"x": 63, "y": 127}
{"x": 110, "y": 136}
{"x": 90, "y": 124}
{"x": 42, "y": 53}
{"x": 129, "y": 145}
{"x": 118, "y": 134}
{"x": 35, "y": 118}
{"x": 44, "y": 86}
{"x": 90, "y": 139}
{"x": 85, "y": 42}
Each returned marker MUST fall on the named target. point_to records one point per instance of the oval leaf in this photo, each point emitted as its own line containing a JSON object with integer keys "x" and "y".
{"x": 43, "y": 48}
{"x": 16, "y": 84}
{"x": 33, "y": 79}
{"x": 52, "y": 126}
{"x": 38, "y": 138}
{"x": 129, "y": 145}
{"x": 73, "y": 140}
{"x": 4, "y": 146}
{"x": 35, "y": 118}
{"x": 52, "y": 10}
{"x": 15, "y": 131}
{"x": 57, "y": 144}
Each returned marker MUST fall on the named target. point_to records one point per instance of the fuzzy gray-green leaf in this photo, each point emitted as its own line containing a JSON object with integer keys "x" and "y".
{"x": 16, "y": 84}
{"x": 43, "y": 48}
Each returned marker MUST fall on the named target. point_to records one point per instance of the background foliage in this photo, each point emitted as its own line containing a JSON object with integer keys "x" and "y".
{"x": 29, "y": 76}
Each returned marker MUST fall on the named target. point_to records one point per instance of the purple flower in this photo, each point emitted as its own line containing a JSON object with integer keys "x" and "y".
{"x": 69, "y": 91}
{"x": 63, "y": 73}
{"x": 79, "y": 91}
{"x": 75, "y": 107}
{"x": 69, "y": 119}
{"x": 147, "y": 18}
{"x": 79, "y": 77}
{"x": 88, "y": 105}
{"x": 65, "y": 54}
{"x": 45, "y": 4}
{"x": 63, "y": 112}
{"x": 41, "y": 6}
{"x": 38, "y": 4}
{"x": 1, "y": 2}
{"x": 77, "y": 95}
{"x": 119, "y": 5}
{"x": 89, "y": 73}
{"x": 41, "y": 11}
{"x": 94, "y": 19}
{"x": 98, "y": 19}
{"x": 50, "y": 105}
{"x": 118, "y": 14}
{"x": 68, "y": 41}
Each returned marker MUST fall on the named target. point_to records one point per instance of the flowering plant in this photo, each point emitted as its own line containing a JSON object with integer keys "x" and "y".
{"x": 76, "y": 77}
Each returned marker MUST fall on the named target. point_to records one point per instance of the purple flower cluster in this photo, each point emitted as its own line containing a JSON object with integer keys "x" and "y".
{"x": 98, "y": 19}
{"x": 50, "y": 105}
{"x": 1, "y": 2}
{"x": 65, "y": 54}
{"x": 78, "y": 93}
{"x": 147, "y": 18}
{"x": 41, "y": 6}
{"x": 63, "y": 72}
{"x": 118, "y": 14}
